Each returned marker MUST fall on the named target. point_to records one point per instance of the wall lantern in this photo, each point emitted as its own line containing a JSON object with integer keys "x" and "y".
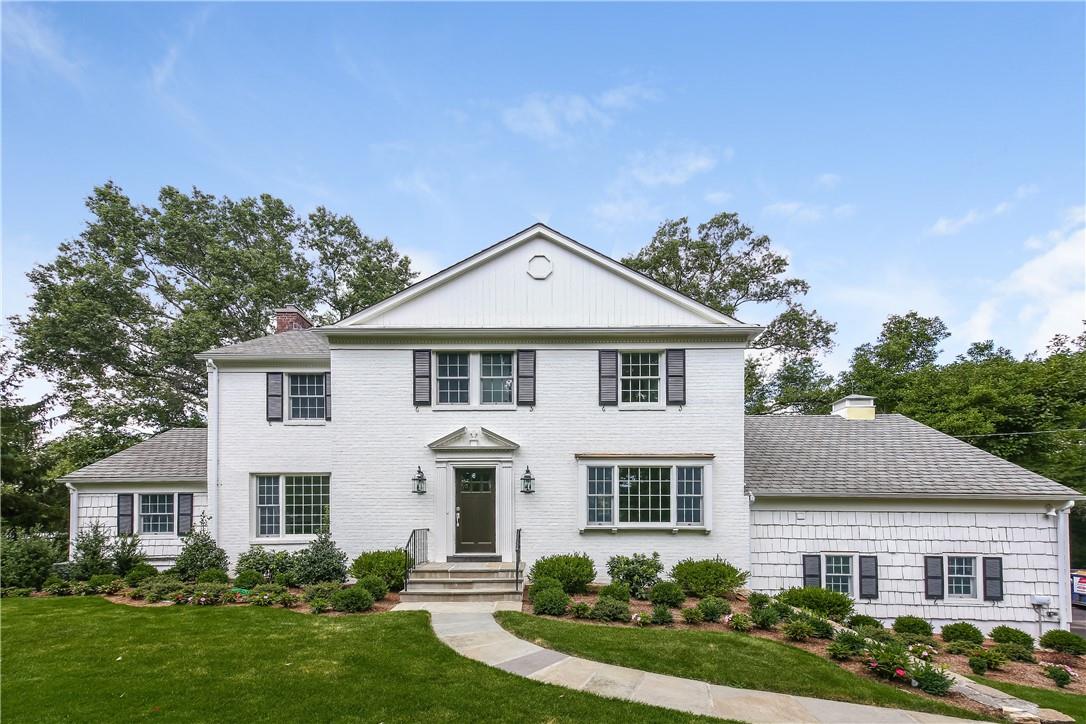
{"x": 420, "y": 482}
{"x": 527, "y": 481}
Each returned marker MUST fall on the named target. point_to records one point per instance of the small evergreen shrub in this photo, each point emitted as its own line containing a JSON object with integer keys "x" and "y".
{"x": 199, "y": 553}
{"x": 13, "y": 592}
{"x": 140, "y": 573}
{"x": 574, "y": 570}
{"x": 1059, "y": 674}
{"x": 784, "y": 611}
{"x": 542, "y": 584}
{"x": 323, "y": 590}
{"x": 963, "y": 648}
{"x": 740, "y": 622}
{"x": 758, "y": 600}
{"x": 91, "y": 555}
{"x": 1064, "y": 641}
{"x": 610, "y": 609}
{"x": 995, "y": 659}
{"x": 914, "y": 638}
{"x": 931, "y": 679}
{"x": 821, "y": 628}
{"x": 27, "y": 558}
{"x": 978, "y": 665}
{"x": 249, "y": 579}
{"x": 375, "y": 585}
{"x": 1009, "y": 635}
{"x": 114, "y": 586}
{"x": 639, "y": 572}
{"x": 798, "y": 630}
{"x": 765, "y": 618}
{"x": 158, "y": 588}
{"x": 661, "y": 615}
{"x": 55, "y": 586}
{"x": 831, "y": 604}
{"x": 667, "y": 593}
{"x": 858, "y": 619}
{"x": 912, "y": 625}
{"x": 962, "y": 631}
{"x": 692, "y": 616}
{"x": 878, "y": 634}
{"x": 551, "y": 602}
{"x": 708, "y": 577}
{"x": 580, "y": 609}
{"x": 321, "y": 560}
{"x": 387, "y": 565}
{"x": 126, "y": 554}
{"x": 320, "y": 605}
{"x": 267, "y": 563}
{"x": 1015, "y": 652}
{"x": 98, "y": 582}
{"x": 213, "y": 575}
{"x": 354, "y": 599}
{"x": 616, "y": 589}
{"x": 713, "y": 608}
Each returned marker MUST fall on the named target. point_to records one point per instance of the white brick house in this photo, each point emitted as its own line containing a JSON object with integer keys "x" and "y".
{"x": 540, "y": 387}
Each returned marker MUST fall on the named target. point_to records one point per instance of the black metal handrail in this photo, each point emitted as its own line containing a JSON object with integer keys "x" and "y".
{"x": 415, "y": 552}
{"x": 516, "y": 569}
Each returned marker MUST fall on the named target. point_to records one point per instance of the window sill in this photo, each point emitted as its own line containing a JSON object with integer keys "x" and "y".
{"x": 642, "y": 407}
{"x": 473, "y": 408}
{"x": 297, "y": 540}
{"x": 673, "y": 529}
{"x": 305, "y": 423}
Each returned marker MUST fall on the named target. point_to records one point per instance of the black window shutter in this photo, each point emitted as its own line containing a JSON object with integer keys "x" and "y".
{"x": 184, "y": 513}
{"x": 422, "y": 377}
{"x": 327, "y": 395}
{"x": 812, "y": 571}
{"x": 869, "y": 577}
{"x": 125, "y": 513}
{"x": 526, "y": 377}
{"x": 676, "y": 377}
{"x": 933, "y": 577}
{"x": 608, "y": 377}
{"x": 275, "y": 397}
{"x": 993, "y": 579}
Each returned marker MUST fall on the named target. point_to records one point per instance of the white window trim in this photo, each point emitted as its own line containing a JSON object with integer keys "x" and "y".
{"x": 138, "y": 526}
{"x": 288, "y": 419}
{"x": 254, "y": 530}
{"x": 475, "y": 371}
{"x": 614, "y": 526}
{"x": 978, "y": 578}
{"x": 661, "y": 381}
{"x": 853, "y": 567}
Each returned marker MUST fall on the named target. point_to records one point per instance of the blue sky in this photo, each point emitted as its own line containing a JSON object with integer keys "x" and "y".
{"x": 925, "y": 156}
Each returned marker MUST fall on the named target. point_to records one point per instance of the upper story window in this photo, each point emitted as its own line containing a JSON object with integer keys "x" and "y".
{"x": 640, "y": 377}
{"x": 474, "y": 378}
{"x": 307, "y": 397}
{"x": 156, "y": 513}
{"x": 453, "y": 378}
{"x": 650, "y": 495}
{"x": 496, "y": 378}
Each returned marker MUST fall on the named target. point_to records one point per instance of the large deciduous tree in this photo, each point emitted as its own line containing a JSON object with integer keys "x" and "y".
{"x": 728, "y": 267}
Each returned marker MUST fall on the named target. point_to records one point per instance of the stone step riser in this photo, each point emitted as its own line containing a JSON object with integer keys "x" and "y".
{"x": 489, "y": 585}
{"x": 462, "y": 575}
{"x": 458, "y": 596}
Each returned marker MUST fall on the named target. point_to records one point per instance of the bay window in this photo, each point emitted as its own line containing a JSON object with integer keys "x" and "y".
{"x": 645, "y": 494}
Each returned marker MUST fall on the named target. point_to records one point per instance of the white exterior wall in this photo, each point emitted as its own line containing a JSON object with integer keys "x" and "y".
{"x": 99, "y": 504}
{"x": 901, "y": 535}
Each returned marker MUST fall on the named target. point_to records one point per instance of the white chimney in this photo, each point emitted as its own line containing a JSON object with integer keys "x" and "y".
{"x": 855, "y": 407}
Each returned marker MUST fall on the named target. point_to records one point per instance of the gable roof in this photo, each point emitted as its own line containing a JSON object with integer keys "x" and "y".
{"x": 891, "y": 456}
{"x": 296, "y": 344}
{"x": 176, "y": 456}
{"x": 710, "y": 316}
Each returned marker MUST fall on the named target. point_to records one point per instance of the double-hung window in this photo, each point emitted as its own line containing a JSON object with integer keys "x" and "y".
{"x": 307, "y": 397}
{"x": 156, "y": 513}
{"x": 640, "y": 378}
{"x": 291, "y": 505}
{"x": 645, "y": 495}
{"x": 453, "y": 378}
{"x": 961, "y": 577}
{"x": 839, "y": 574}
{"x": 496, "y": 378}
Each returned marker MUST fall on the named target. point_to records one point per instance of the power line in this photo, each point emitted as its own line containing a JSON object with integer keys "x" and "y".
{"x": 1012, "y": 434}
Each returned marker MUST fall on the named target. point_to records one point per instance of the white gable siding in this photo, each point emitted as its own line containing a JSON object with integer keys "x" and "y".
{"x": 1022, "y": 536}
{"x": 99, "y": 504}
{"x": 500, "y": 293}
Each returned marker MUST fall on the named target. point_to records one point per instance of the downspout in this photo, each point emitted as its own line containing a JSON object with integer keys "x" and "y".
{"x": 1063, "y": 540}
{"x": 213, "y": 447}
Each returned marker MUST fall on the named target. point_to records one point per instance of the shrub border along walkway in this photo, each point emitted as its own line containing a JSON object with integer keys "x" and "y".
{"x": 470, "y": 630}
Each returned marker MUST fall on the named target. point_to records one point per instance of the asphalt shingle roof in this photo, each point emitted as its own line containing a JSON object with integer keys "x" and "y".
{"x": 890, "y": 456}
{"x": 285, "y": 344}
{"x": 176, "y": 455}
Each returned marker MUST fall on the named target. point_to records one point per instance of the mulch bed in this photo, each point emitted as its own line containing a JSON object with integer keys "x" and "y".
{"x": 382, "y": 606}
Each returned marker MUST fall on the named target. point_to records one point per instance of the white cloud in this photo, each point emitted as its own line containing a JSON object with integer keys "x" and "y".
{"x": 29, "y": 38}
{"x": 553, "y": 117}
{"x": 950, "y": 225}
{"x": 797, "y": 210}
{"x": 828, "y": 181}
{"x": 718, "y": 197}
{"x": 946, "y": 226}
{"x": 626, "y": 97}
{"x": 669, "y": 166}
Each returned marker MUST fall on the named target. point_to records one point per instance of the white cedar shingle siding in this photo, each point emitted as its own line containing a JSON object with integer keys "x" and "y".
{"x": 101, "y": 506}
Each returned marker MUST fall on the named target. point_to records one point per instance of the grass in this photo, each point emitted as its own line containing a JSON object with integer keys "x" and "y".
{"x": 1073, "y": 705}
{"x": 719, "y": 657}
{"x": 85, "y": 659}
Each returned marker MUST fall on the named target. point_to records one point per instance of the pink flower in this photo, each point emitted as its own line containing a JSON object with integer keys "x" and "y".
{"x": 899, "y": 672}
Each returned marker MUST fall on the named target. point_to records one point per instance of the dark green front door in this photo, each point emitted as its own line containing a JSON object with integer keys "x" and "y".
{"x": 475, "y": 510}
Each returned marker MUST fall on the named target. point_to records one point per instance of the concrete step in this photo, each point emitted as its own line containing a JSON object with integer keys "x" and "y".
{"x": 461, "y": 584}
{"x": 455, "y": 595}
{"x": 470, "y": 571}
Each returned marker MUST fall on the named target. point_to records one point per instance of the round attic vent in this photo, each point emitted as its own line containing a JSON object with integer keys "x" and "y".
{"x": 539, "y": 267}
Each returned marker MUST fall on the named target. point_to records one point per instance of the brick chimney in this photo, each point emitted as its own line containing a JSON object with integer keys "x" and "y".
{"x": 855, "y": 407}
{"x": 289, "y": 318}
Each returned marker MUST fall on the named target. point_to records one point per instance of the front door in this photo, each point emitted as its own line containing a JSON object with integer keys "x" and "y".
{"x": 475, "y": 510}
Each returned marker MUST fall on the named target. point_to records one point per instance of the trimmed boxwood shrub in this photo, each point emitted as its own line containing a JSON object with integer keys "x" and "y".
{"x": 574, "y": 570}
{"x": 964, "y": 648}
{"x": 616, "y": 589}
{"x": 1064, "y": 641}
{"x": 667, "y": 593}
{"x": 708, "y": 577}
{"x": 831, "y": 604}
{"x": 858, "y": 619}
{"x": 321, "y": 560}
{"x": 352, "y": 600}
{"x": 213, "y": 575}
{"x": 912, "y": 625}
{"x": 979, "y": 665}
{"x": 542, "y": 584}
{"x": 1015, "y": 652}
{"x": 387, "y": 565}
{"x": 740, "y": 622}
{"x": 1009, "y": 635}
{"x": 713, "y": 608}
{"x": 639, "y": 572}
{"x": 610, "y": 609}
{"x": 661, "y": 615}
{"x": 962, "y": 631}
{"x": 550, "y": 602}
{"x": 250, "y": 579}
{"x": 375, "y": 585}
{"x": 140, "y": 573}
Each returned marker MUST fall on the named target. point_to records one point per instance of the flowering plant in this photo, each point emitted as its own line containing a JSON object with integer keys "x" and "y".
{"x": 924, "y": 652}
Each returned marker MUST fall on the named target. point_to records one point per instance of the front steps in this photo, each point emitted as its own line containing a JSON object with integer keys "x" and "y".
{"x": 463, "y": 581}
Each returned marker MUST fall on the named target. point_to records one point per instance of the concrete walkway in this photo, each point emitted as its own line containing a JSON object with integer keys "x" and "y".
{"x": 470, "y": 630}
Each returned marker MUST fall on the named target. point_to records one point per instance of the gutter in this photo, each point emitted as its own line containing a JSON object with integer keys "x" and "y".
{"x": 745, "y": 332}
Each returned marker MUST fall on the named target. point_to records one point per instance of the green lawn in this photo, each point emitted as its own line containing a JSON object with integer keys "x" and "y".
{"x": 719, "y": 657}
{"x": 85, "y": 659}
{"x": 1073, "y": 705}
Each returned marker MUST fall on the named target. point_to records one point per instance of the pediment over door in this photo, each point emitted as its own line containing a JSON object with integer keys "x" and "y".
{"x": 474, "y": 439}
